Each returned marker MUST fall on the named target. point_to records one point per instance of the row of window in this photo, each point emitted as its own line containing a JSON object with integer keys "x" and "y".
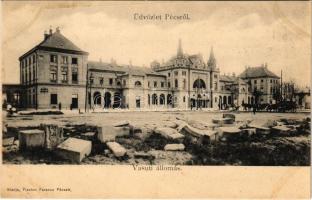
{"x": 64, "y": 59}
{"x": 271, "y": 81}
{"x": 64, "y": 74}
{"x": 101, "y": 81}
{"x": 176, "y": 73}
{"x": 28, "y": 61}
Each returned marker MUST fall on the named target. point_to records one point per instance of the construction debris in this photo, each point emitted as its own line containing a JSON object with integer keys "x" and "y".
{"x": 109, "y": 133}
{"x": 169, "y": 133}
{"x": 74, "y": 149}
{"x": 53, "y": 135}
{"x": 29, "y": 139}
{"x": 116, "y": 148}
{"x": 144, "y": 155}
{"x": 122, "y": 123}
{"x": 8, "y": 141}
{"x": 187, "y": 129}
{"x": 174, "y": 147}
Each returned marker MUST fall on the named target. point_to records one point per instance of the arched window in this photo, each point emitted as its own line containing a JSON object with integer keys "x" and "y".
{"x": 169, "y": 99}
{"x": 199, "y": 83}
{"x": 162, "y": 99}
{"x": 97, "y": 98}
{"x": 137, "y": 84}
{"x": 154, "y": 99}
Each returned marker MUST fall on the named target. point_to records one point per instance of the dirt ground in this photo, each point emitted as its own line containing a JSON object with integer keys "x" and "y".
{"x": 270, "y": 151}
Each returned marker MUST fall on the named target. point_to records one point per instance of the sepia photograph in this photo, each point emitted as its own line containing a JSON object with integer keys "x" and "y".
{"x": 156, "y": 85}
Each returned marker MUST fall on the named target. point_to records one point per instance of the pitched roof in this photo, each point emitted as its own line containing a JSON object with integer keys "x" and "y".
{"x": 124, "y": 69}
{"x": 257, "y": 72}
{"x": 56, "y": 41}
{"x": 226, "y": 78}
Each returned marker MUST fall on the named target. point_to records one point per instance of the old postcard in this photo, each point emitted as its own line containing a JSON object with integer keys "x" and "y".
{"x": 137, "y": 99}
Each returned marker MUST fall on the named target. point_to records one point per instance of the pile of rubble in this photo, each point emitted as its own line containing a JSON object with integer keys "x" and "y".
{"x": 192, "y": 142}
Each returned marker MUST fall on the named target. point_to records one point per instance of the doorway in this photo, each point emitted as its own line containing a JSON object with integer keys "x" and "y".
{"x": 74, "y": 103}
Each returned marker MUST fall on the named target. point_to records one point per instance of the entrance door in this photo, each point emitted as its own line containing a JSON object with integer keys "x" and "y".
{"x": 74, "y": 103}
{"x": 138, "y": 102}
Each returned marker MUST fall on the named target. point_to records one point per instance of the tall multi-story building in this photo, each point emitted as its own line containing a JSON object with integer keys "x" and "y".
{"x": 53, "y": 73}
{"x": 263, "y": 82}
{"x": 56, "y": 73}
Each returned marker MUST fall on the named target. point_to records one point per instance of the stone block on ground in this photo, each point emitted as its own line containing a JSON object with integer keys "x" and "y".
{"x": 195, "y": 132}
{"x": 169, "y": 124}
{"x": 109, "y": 133}
{"x": 229, "y": 115}
{"x": 262, "y": 130}
{"x": 174, "y": 147}
{"x": 74, "y": 149}
{"x": 121, "y": 123}
{"x": 117, "y": 149}
{"x": 268, "y": 123}
{"x": 249, "y": 131}
{"x": 54, "y": 135}
{"x": 7, "y": 141}
{"x": 222, "y": 121}
{"x": 33, "y": 138}
{"x": 88, "y": 135}
{"x": 169, "y": 133}
{"x": 229, "y": 133}
{"x": 281, "y": 130}
{"x": 144, "y": 155}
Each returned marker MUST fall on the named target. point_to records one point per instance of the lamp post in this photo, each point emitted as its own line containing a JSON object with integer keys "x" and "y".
{"x": 90, "y": 87}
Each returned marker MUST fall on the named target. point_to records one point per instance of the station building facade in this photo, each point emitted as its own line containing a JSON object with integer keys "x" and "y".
{"x": 57, "y": 74}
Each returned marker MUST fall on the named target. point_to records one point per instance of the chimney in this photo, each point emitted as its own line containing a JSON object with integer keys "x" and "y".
{"x": 50, "y": 30}
{"x": 266, "y": 65}
{"x": 57, "y": 30}
{"x": 233, "y": 74}
{"x": 46, "y": 35}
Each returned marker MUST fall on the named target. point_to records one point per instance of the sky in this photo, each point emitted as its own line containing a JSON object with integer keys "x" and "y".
{"x": 241, "y": 33}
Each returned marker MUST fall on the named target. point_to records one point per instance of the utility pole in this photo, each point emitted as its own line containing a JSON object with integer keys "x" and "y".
{"x": 281, "y": 85}
{"x": 86, "y": 96}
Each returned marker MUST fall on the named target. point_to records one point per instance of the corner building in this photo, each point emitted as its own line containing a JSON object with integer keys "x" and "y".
{"x": 53, "y": 74}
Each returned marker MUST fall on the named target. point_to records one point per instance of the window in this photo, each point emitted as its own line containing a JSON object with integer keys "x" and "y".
{"x": 64, "y": 60}
{"x": 124, "y": 82}
{"x": 215, "y": 86}
{"x": 169, "y": 85}
{"x": 53, "y": 58}
{"x": 215, "y": 76}
{"x": 261, "y": 88}
{"x": 162, "y": 84}
{"x": 155, "y": 83}
{"x": 148, "y": 84}
{"x": 101, "y": 80}
{"x": 74, "y": 75}
{"x": 64, "y": 72}
{"x": 184, "y": 73}
{"x": 255, "y": 81}
{"x": 184, "y": 84}
{"x": 53, "y": 74}
{"x": 222, "y": 87}
{"x": 184, "y": 99}
{"x": 34, "y": 58}
{"x": 29, "y": 60}
{"x": 111, "y": 81}
{"x": 137, "y": 84}
{"x": 169, "y": 74}
{"x": 34, "y": 73}
{"x": 176, "y": 73}
{"x": 176, "y": 83}
{"x": 270, "y": 80}
{"x": 261, "y": 80}
{"x": 74, "y": 61}
{"x": 53, "y": 99}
